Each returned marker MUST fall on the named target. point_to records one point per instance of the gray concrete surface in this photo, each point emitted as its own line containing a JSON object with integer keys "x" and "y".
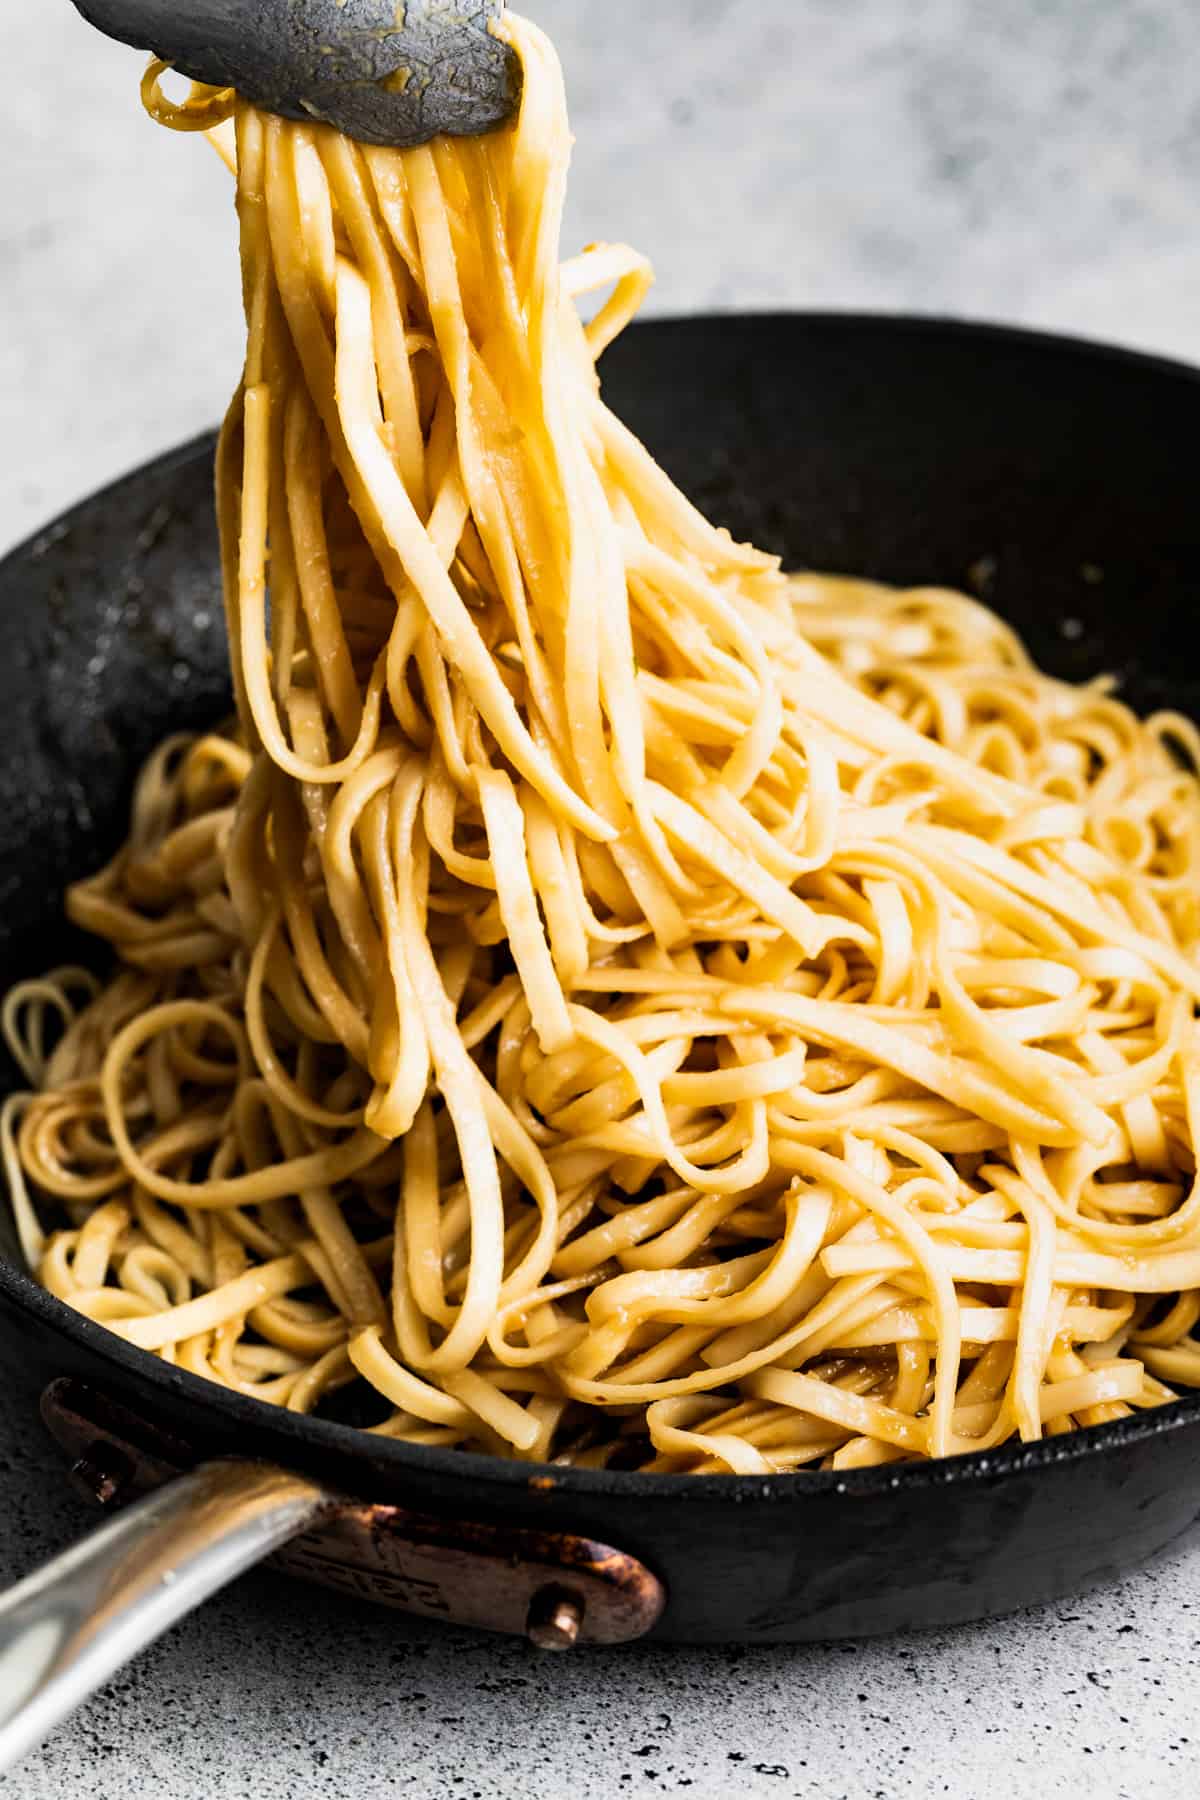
{"x": 1023, "y": 159}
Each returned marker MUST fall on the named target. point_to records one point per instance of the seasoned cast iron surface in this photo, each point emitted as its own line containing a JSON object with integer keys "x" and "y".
{"x": 114, "y": 637}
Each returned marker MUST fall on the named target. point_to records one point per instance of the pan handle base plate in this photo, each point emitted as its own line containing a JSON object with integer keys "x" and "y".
{"x": 555, "y": 1588}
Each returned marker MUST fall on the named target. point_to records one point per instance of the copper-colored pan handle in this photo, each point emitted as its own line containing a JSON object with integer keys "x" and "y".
{"x": 67, "y": 1629}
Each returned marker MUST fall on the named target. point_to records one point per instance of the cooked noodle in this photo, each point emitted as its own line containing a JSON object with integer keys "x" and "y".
{"x": 602, "y": 999}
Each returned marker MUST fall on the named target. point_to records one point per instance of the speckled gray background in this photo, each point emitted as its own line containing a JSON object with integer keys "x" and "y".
{"x": 1019, "y": 159}
{"x": 1023, "y": 159}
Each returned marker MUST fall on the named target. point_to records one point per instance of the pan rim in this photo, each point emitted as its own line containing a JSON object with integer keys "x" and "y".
{"x": 816, "y": 320}
{"x": 256, "y": 1419}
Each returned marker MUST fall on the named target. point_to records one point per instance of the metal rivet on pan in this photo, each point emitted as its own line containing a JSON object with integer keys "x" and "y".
{"x": 555, "y": 1619}
{"x": 101, "y": 1473}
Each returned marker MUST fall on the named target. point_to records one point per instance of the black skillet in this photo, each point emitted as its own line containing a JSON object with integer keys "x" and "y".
{"x": 1052, "y": 478}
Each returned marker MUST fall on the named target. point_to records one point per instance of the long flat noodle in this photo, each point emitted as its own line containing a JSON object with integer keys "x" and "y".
{"x": 402, "y": 1387}
{"x": 841, "y": 1025}
{"x": 566, "y": 924}
{"x": 233, "y": 1301}
{"x": 821, "y": 1400}
{"x": 404, "y": 1053}
{"x": 504, "y": 1416}
{"x": 265, "y": 1184}
{"x": 709, "y": 846}
{"x": 453, "y": 622}
{"x": 457, "y": 1083}
{"x": 1064, "y": 903}
{"x": 1166, "y": 1272}
{"x": 674, "y": 1434}
{"x": 505, "y": 825}
{"x": 1033, "y": 1350}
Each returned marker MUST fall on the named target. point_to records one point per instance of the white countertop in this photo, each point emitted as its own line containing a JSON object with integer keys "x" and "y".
{"x": 1034, "y": 160}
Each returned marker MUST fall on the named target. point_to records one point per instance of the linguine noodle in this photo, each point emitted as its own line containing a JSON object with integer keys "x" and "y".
{"x": 604, "y": 1000}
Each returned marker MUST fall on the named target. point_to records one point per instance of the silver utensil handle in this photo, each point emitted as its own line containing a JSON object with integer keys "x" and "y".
{"x": 65, "y": 1630}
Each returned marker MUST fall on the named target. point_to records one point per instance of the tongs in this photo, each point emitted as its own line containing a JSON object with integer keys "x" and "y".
{"x": 393, "y": 72}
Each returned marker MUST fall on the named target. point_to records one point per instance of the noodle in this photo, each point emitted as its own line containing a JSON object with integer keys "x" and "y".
{"x": 603, "y": 1000}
